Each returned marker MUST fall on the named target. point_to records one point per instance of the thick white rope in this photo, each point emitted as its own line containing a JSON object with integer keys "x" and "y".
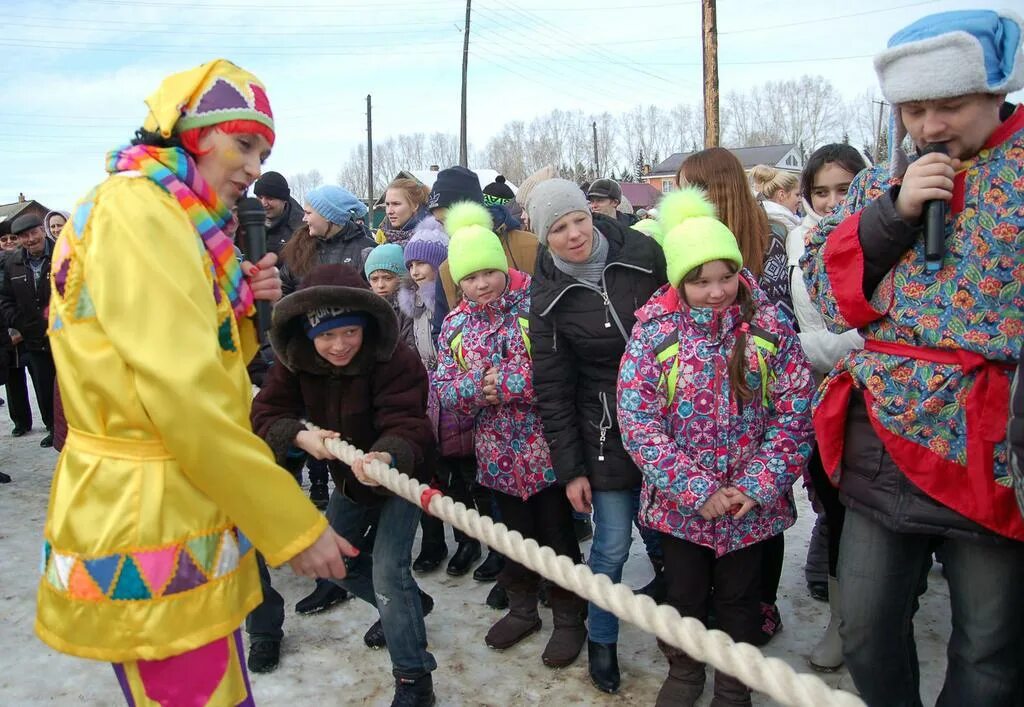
{"x": 772, "y": 676}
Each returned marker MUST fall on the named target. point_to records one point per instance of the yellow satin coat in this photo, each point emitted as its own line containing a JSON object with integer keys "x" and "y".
{"x": 162, "y": 487}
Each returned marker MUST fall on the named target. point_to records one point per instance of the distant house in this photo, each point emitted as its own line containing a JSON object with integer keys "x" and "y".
{"x": 9, "y": 212}
{"x": 427, "y": 177}
{"x": 640, "y": 196}
{"x": 663, "y": 176}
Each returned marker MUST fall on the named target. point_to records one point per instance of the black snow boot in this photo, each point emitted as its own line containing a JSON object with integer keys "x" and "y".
{"x": 374, "y": 637}
{"x": 414, "y": 692}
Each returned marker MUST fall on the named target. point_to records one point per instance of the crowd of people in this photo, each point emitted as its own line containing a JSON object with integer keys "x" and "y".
{"x": 554, "y": 363}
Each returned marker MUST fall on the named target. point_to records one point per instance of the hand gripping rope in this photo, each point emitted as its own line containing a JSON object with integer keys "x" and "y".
{"x": 772, "y": 676}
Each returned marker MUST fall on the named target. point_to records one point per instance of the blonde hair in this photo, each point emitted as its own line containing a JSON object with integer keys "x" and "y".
{"x": 415, "y": 193}
{"x": 769, "y": 181}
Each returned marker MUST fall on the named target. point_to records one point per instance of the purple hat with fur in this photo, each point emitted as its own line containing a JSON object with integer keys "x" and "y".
{"x": 429, "y": 243}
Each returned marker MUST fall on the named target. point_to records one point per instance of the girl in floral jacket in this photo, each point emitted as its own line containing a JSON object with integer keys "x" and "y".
{"x": 484, "y": 369}
{"x": 714, "y": 403}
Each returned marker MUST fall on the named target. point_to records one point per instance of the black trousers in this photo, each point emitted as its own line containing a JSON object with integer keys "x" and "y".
{"x": 697, "y": 580}
{"x": 835, "y": 511}
{"x": 18, "y": 404}
{"x": 545, "y": 517}
{"x": 44, "y": 375}
{"x": 458, "y": 480}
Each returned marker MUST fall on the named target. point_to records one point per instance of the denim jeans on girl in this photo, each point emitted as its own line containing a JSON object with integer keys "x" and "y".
{"x": 615, "y": 512}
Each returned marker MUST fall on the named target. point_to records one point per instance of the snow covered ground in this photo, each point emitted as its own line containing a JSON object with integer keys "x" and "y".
{"x": 323, "y": 657}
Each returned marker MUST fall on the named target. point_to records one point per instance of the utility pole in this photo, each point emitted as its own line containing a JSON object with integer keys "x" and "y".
{"x": 463, "y": 145}
{"x": 369, "y": 159}
{"x": 597, "y": 161}
{"x": 710, "y": 25}
{"x": 878, "y": 132}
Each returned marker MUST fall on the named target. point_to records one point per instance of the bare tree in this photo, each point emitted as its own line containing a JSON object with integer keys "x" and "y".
{"x": 303, "y": 182}
{"x": 352, "y": 174}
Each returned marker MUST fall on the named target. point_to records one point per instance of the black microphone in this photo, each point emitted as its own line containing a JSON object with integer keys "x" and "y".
{"x": 252, "y": 221}
{"x": 934, "y": 221}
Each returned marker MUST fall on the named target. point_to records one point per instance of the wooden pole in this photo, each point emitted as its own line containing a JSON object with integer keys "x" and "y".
{"x": 597, "y": 161}
{"x": 710, "y": 26}
{"x": 369, "y": 159}
{"x": 463, "y": 143}
{"x": 878, "y": 133}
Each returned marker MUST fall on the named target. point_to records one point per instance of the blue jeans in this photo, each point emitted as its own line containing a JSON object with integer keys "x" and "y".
{"x": 615, "y": 512}
{"x": 381, "y": 576}
{"x": 882, "y": 572}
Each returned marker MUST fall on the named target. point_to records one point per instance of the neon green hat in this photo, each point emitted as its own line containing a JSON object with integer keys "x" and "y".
{"x": 473, "y": 246}
{"x": 693, "y": 234}
{"x": 650, "y": 227}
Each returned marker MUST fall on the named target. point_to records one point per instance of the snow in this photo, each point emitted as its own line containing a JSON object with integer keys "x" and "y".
{"x": 323, "y": 656}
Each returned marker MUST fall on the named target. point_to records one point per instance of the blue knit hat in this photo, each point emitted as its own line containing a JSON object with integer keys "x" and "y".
{"x": 385, "y": 257}
{"x": 335, "y": 204}
{"x": 324, "y": 319}
{"x": 429, "y": 243}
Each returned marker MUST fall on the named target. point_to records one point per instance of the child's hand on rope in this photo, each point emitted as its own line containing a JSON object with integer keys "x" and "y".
{"x": 359, "y": 466}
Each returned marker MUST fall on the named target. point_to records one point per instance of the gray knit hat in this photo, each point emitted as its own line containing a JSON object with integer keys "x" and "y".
{"x": 551, "y": 200}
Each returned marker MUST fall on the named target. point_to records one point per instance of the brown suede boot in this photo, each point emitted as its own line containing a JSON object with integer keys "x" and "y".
{"x": 570, "y": 633}
{"x": 520, "y": 621}
{"x": 685, "y": 682}
{"x": 730, "y": 691}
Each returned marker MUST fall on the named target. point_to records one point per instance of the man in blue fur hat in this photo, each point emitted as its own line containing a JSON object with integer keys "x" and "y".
{"x": 916, "y": 421}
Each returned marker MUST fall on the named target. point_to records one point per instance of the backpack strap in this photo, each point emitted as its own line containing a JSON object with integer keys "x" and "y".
{"x": 524, "y": 329}
{"x": 765, "y": 344}
{"x": 455, "y": 345}
{"x": 669, "y": 377}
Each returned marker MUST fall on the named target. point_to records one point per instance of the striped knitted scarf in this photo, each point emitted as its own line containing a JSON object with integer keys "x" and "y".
{"x": 175, "y": 172}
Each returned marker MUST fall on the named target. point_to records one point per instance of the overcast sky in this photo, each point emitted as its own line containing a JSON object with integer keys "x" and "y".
{"x": 76, "y": 73}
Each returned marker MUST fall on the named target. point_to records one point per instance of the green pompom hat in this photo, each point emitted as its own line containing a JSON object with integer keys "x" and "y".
{"x": 473, "y": 246}
{"x": 693, "y": 234}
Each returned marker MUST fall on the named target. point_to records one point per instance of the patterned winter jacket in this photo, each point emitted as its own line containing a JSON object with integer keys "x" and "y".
{"x": 689, "y": 436}
{"x": 939, "y": 346}
{"x": 512, "y": 454}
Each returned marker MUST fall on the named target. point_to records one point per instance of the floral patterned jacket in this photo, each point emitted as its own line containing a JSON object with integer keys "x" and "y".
{"x": 697, "y": 439}
{"x": 940, "y": 346}
{"x": 512, "y": 454}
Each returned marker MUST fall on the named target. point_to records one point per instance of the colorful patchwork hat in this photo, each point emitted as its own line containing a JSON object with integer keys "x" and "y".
{"x": 213, "y": 93}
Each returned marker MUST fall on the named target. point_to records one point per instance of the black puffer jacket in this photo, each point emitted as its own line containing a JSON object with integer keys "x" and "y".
{"x": 577, "y": 343}
{"x": 284, "y": 226}
{"x": 347, "y": 247}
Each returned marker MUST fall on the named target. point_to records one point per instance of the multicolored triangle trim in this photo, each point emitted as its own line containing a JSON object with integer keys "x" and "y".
{"x": 147, "y": 574}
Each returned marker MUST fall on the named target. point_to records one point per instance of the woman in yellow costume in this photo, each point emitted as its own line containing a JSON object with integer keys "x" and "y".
{"x": 162, "y": 489}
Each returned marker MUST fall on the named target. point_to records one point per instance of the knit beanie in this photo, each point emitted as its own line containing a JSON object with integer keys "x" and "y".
{"x": 272, "y": 185}
{"x": 650, "y": 227}
{"x": 453, "y": 185}
{"x": 946, "y": 55}
{"x": 429, "y": 243}
{"x": 693, "y": 235}
{"x": 550, "y": 201}
{"x": 473, "y": 246}
{"x": 385, "y": 257}
{"x": 498, "y": 192}
{"x": 324, "y": 319}
{"x": 335, "y": 204}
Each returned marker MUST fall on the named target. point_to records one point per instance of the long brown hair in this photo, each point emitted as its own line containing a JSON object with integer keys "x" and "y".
{"x": 300, "y": 252}
{"x": 738, "y": 358}
{"x": 719, "y": 172}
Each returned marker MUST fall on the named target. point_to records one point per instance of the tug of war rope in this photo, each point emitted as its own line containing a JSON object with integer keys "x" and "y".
{"x": 772, "y": 676}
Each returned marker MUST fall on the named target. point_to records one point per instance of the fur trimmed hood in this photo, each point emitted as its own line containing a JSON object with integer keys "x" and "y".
{"x": 331, "y": 286}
